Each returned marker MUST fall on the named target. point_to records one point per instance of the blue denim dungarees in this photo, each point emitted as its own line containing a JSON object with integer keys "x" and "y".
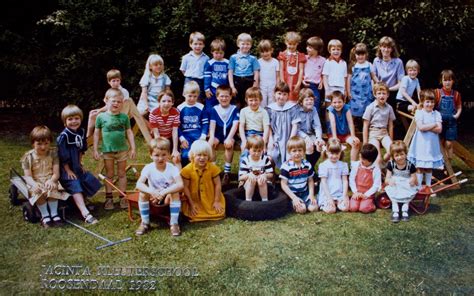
{"x": 447, "y": 110}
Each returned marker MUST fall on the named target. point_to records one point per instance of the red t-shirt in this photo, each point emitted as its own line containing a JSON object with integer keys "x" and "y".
{"x": 164, "y": 124}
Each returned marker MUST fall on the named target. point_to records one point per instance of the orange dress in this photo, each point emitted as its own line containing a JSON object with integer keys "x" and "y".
{"x": 201, "y": 187}
{"x": 291, "y": 70}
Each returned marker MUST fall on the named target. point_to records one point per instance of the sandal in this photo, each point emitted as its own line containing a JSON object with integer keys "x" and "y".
{"x": 46, "y": 222}
{"x": 89, "y": 219}
{"x": 142, "y": 229}
{"x": 57, "y": 221}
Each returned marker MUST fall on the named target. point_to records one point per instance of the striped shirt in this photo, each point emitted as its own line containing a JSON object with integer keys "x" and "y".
{"x": 164, "y": 123}
{"x": 297, "y": 176}
{"x": 247, "y": 165}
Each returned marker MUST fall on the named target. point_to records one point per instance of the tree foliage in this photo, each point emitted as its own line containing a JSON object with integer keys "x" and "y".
{"x": 56, "y": 53}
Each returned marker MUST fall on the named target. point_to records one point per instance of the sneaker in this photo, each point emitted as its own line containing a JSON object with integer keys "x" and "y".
{"x": 225, "y": 179}
{"x": 109, "y": 204}
{"x": 175, "y": 231}
{"x": 405, "y": 217}
{"x": 123, "y": 203}
{"x": 142, "y": 229}
{"x": 91, "y": 220}
{"x": 395, "y": 217}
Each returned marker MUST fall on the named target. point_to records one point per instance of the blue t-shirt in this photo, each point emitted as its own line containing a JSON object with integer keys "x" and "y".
{"x": 215, "y": 74}
{"x": 409, "y": 85}
{"x": 194, "y": 121}
{"x": 297, "y": 176}
{"x": 224, "y": 118}
{"x": 243, "y": 64}
{"x": 342, "y": 126}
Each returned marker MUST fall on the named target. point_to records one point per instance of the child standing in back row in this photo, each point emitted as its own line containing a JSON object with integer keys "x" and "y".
{"x": 449, "y": 104}
{"x": 408, "y": 85}
{"x": 425, "y": 149}
{"x": 335, "y": 70}
{"x": 313, "y": 69}
{"x": 292, "y": 65}
{"x": 193, "y": 63}
{"x": 269, "y": 72}
{"x": 243, "y": 69}
{"x": 215, "y": 72}
{"x": 153, "y": 82}
{"x": 116, "y": 132}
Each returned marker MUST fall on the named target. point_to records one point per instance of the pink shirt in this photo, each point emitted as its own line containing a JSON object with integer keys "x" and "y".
{"x": 313, "y": 69}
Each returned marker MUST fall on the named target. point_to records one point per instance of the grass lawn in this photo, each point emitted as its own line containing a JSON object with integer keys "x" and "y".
{"x": 298, "y": 254}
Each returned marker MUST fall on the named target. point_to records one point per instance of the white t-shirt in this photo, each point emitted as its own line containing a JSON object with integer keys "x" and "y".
{"x": 268, "y": 71}
{"x": 160, "y": 179}
{"x": 336, "y": 72}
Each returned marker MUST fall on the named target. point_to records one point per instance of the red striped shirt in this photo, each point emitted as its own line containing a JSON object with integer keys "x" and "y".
{"x": 164, "y": 124}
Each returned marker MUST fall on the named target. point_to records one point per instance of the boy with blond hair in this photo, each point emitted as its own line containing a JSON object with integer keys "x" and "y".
{"x": 114, "y": 78}
{"x": 215, "y": 72}
{"x": 192, "y": 63}
{"x": 335, "y": 70}
{"x": 408, "y": 85}
{"x": 243, "y": 69}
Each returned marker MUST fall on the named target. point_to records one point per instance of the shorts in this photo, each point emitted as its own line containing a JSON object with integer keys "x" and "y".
{"x": 343, "y": 138}
{"x": 377, "y": 134}
{"x": 117, "y": 156}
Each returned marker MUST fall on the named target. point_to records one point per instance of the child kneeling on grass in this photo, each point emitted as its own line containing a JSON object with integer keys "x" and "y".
{"x": 160, "y": 182}
{"x": 41, "y": 168}
{"x": 255, "y": 169}
{"x": 202, "y": 185}
{"x": 296, "y": 176}
{"x": 365, "y": 180}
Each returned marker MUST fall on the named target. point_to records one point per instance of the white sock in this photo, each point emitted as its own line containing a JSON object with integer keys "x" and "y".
{"x": 428, "y": 178}
{"x": 395, "y": 208}
{"x": 264, "y": 198}
{"x": 43, "y": 210}
{"x": 419, "y": 177}
{"x": 53, "y": 207}
{"x": 405, "y": 207}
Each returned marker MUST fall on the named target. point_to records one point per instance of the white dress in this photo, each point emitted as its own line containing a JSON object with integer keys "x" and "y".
{"x": 402, "y": 191}
{"x": 425, "y": 148}
{"x": 333, "y": 172}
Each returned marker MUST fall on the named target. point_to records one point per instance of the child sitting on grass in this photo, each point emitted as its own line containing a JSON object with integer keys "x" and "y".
{"x": 365, "y": 180}
{"x": 164, "y": 122}
{"x": 72, "y": 145}
{"x": 255, "y": 169}
{"x": 223, "y": 124}
{"x": 115, "y": 129}
{"x": 160, "y": 183}
{"x": 202, "y": 185}
{"x": 296, "y": 176}
{"x": 41, "y": 168}
{"x": 333, "y": 174}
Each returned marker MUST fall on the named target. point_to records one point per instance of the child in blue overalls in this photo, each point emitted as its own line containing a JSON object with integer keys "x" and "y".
{"x": 449, "y": 104}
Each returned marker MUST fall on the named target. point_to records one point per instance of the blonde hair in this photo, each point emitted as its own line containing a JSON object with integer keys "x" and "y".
{"x": 304, "y": 93}
{"x": 160, "y": 143}
{"x": 255, "y": 142}
{"x": 412, "y": 64}
{"x": 200, "y": 147}
{"x": 334, "y": 43}
{"x": 166, "y": 92}
{"x": 397, "y": 147}
{"x": 40, "y": 133}
{"x": 196, "y": 36}
{"x": 293, "y": 37}
{"x": 295, "y": 142}
{"x": 265, "y": 45}
{"x": 426, "y": 95}
{"x": 380, "y": 86}
{"x": 446, "y": 74}
{"x": 316, "y": 43}
{"x": 113, "y": 92}
{"x": 191, "y": 87}
{"x": 333, "y": 146}
{"x": 387, "y": 41}
{"x": 112, "y": 74}
{"x": 153, "y": 59}
{"x": 218, "y": 44}
{"x": 244, "y": 37}
{"x": 253, "y": 92}
{"x": 71, "y": 110}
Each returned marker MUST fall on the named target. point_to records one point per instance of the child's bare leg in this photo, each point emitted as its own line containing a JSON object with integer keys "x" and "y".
{"x": 249, "y": 187}
{"x": 386, "y": 142}
{"x": 449, "y": 149}
{"x": 228, "y": 155}
{"x": 263, "y": 191}
{"x": 122, "y": 175}
{"x": 79, "y": 201}
{"x": 376, "y": 143}
{"x": 214, "y": 147}
{"x": 109, "y": 172}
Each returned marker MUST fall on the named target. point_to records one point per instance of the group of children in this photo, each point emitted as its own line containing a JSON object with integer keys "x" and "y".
{"x": 274, "y": 106}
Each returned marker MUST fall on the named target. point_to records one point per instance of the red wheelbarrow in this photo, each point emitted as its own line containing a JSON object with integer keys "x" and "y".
{"x": 159, "y": 211}
{"x": 421, "y": 201}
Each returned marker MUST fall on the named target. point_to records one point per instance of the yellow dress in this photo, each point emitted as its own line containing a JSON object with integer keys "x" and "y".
{"x": 41, "y": 171}
{"x": 201, "y": 187}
